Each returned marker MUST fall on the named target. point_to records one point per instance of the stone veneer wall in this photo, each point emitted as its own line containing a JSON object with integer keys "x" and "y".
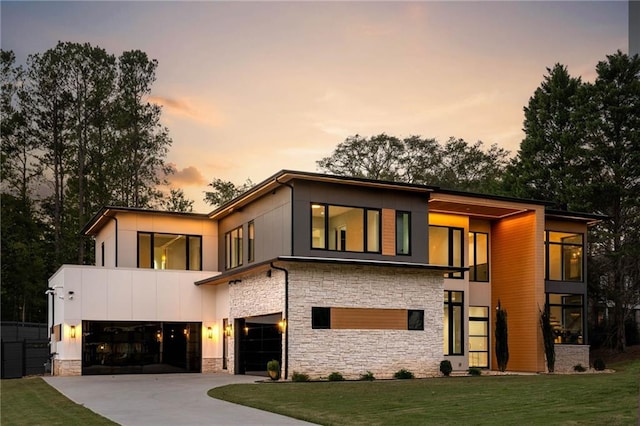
{"x": 212, "y": 365}
{"x": 67, "y": 367}
{"x": 318, "y": 352}
{"x": 567, "y": 356}
{"x": 257, "y": 294}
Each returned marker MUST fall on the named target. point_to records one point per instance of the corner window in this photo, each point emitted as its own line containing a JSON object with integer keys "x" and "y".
{"x": 445, "y": 248}
{"x": 320, "y": 317}
{"x": 453, "y": 320}
{"x": 478, "y": 256}
{"x": 403, "y": 233}
{"x": 233, "y": 248}
{"x": 342, "y": 228}
{"x": 563, "y": 256}
{"x": 169, "y": 251}
{"x": 566, "y": 314}
{"x": 252, "y": 242}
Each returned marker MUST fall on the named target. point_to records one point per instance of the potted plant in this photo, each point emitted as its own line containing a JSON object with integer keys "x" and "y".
{"x": 273, "y": 368}
{"x": 445, "y": 367}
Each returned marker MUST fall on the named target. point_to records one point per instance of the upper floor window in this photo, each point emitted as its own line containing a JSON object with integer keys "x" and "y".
{"x": 169, "y": 251}
{"x": 445, "y": 248}
{"x": 478, "y": 256}
{"x": 252, "y": 241}
{"x": 342, "y": 228}
{"x": 233, "y": 248}
{"x": 403, "y": 232}
{"x": 563, "y": 256}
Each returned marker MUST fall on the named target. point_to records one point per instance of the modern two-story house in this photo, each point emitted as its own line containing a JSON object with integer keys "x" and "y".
{"x": 323, "y": 273}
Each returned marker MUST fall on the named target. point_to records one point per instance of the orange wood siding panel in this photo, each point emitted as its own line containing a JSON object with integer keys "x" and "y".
{"x": 369, "y": 319}
{"x": 388, "y": 232}
{"x": 517, "y": 282}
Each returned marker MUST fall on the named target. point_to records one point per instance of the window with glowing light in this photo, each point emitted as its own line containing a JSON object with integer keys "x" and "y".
{"x": 563, "y": 256}
{"x": 343, "y": 228}
{"x": 169, "y": 251}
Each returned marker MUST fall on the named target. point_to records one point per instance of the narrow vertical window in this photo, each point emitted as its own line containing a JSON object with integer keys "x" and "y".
{"x": 144, "y": 250}
{"x": 373, "y": 230}
{"x": 318, "y": 226}
{"x": 403, "y": 233}
{"x": 478, "y": 256}
{"x": 453, "y": 323}
{"x": 102, "y": 253}
{"x": 233, "y": 248}
{"x": 252, "y": 246}
{"x": 194, "y": 254}
{"x": 479, "y": 336}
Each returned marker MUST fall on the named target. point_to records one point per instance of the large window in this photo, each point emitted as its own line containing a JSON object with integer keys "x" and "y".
{"x": 479, "y": 336}
{"x": 563, "y": 256}
{"x": 566, "y": 314}
{"x": 445, "y": 248}
{"x": 453, "y": 320}
{"x": 478, "y": 256}
{"x": 233, "y": 248}
{"x": 342, "y": 228}
{"x": 169, "y": 251}
{"x": 403, "y": 233}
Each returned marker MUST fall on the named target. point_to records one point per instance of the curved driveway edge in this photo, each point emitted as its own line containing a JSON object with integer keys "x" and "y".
{"x": 164, "y": 399}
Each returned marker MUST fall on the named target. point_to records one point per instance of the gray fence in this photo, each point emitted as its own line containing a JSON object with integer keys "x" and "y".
{"x": 25, "y": 349}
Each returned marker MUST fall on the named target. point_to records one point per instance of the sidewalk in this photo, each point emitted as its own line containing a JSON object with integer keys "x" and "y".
{"x": 164, "y": 399}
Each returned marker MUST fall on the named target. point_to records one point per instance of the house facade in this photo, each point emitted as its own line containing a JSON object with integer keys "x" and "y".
{"x": 323, "y": 273}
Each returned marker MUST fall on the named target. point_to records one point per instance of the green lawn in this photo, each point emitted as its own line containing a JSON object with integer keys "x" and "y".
{"x": 583, "y": 399}
{"x": 31, "y": 401}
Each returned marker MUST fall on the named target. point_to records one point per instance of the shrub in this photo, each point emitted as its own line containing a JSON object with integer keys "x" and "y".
{"x": 368, "y": 376}
{"x": 299, "y": 377}
{"x": 445, "y": 367}
{"x": 579, "y": 368}
{"x": 273, "y": 368}
{"x": 475, "y": 371}
{"x": 335, "y": 377}
{"x": 403, "y": 374}
{"x": 598, "y": 365}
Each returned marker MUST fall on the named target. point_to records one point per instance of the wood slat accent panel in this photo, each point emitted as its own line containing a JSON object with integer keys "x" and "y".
{"x": 369, "y": 319}
{"x": 388, "y": 232}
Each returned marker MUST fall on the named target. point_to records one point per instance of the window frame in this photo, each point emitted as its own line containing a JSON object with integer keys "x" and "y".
{"x": 228, "y": 248}
{"x": 188, "y": 250}
{"x": 451, "y": 254}
{"x": 420, "y": 312}
{"x": 487, "y": 336}
{"x": 473, "y": 273}
{"x": 399, "y": 239}
{"x": 547, "y": 265}
{"x": 251, "y": 241}
{"x": 365, "y": 228}
{"x": 315, "y": 311}
{"x": 563, "y": 307}
{"x": 451, "y": 334}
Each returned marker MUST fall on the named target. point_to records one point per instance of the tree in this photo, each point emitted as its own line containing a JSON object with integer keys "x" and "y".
{"x": 502, "y": 339}
{"x": 610, "y": 114}
{"x": 547, "y": 165}
{"x": 177, "y": 202}
{"x": 225, "y": 191}
{"x": 548, "y": 337}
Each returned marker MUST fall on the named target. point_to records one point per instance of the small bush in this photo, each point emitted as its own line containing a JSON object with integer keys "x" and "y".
{"x": 335, "y": 377}
{"x": 598, "y": 365}
{"x": 273, "y": 368}
{"x": 475, "y": 371}
{"x": 579, "y": 368}
{"x": 299, "y": 377}
{"x": 368, "y": 376}
{"x": 445, "y": 367}
{"x": 403, "y": 374}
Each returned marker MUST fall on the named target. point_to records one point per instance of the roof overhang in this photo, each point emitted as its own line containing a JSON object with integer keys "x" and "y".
{"x": 590, "y": 218}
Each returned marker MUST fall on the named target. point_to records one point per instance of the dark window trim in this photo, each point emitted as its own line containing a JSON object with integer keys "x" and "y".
{"x": 421, "y": 313}
{"x": 316, "y": 309}
{"x": 454, "y": 275}
{"x": 102, "y": 253}
{"x": 562, "y": 305}
{"x": 151, "y": 246}
{"x": 228, "y": 245}
{"x": 475, "y": 263}
{"x": 251, "y": 241}
{"x": 451, "y": 304}
{"x": 365, "y": 224}
{"x": 546, "y": 255}
{"x": 488, "y": 335}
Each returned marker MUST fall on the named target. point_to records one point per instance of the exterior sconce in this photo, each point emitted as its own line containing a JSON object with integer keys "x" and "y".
{"x": 159, "y": 336}
{"x": 186, "y": 332}
{"x": 282, "y": 325}
{"x": 246, "y": 330}
{"x": 72, "y": 332}
{"x": 210, "y": 332}
{"x": 228, "y": 330}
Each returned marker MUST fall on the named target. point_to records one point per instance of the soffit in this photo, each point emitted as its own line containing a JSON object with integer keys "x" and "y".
{"x": 475, "y": 210}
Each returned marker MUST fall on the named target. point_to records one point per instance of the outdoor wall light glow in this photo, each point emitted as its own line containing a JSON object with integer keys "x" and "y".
{"x": 282, "y": 325}
{"x": 228, "y": 330}
{"x": 210, "y": 332}
{"x": 246, "y": 330}
{"x": 72, "y": 332}
{"x": 159, "y": 336}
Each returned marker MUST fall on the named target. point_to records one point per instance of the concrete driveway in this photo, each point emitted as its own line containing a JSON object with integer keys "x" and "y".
{"x": 164, "y": 399}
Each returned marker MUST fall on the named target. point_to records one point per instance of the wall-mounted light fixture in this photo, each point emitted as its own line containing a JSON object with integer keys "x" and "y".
{"x": 246, "y": 330}
{"x": 269, "y": 273}
{"x": 159, "y": 336}
{"x": 282, "y": 325}
{"x": 210, "y": 332}
{"x": 228, "y": 330}
{"x": 186, "y": 331}
{"x": 71, "y": 293}
{"x": 72, "y": 332}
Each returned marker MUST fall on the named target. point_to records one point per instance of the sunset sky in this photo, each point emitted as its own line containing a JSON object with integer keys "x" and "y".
{"x": 249, "y": 88}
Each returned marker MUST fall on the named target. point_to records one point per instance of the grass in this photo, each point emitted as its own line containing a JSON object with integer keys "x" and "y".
{"x": 31, "y": 401}
{"x": 580, "y": 399}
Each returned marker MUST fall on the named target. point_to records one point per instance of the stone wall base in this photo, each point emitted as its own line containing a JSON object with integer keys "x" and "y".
{"x": 67, "y": 367}
{"x": 212, "y": 365}
{"x": 568, "y": 356}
